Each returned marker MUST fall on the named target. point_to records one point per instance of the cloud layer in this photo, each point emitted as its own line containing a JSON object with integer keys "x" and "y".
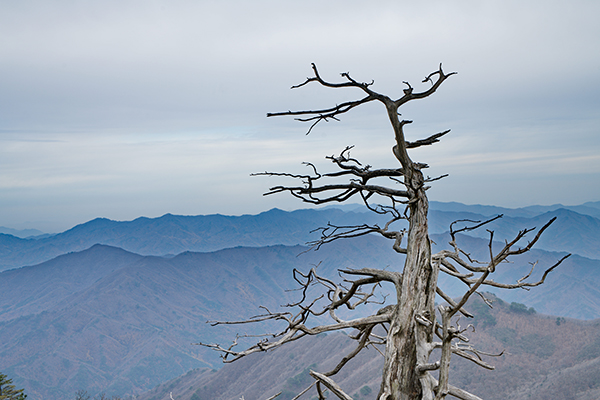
{"x": 130, "y": 108}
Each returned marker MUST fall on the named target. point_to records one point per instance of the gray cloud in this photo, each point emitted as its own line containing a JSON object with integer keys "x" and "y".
{"x": 159, "y": 106}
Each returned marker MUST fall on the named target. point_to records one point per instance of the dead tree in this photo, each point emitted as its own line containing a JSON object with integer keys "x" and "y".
{"x": 413, "y": 326}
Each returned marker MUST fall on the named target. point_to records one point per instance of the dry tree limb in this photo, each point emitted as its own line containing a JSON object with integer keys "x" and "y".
{"x": 331, "y": 385}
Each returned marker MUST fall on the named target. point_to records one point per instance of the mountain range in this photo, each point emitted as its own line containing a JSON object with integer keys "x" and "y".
{"x": 172, "y": 234}
{"x": 106, "y": 319}
{"x": 115, "y": 306}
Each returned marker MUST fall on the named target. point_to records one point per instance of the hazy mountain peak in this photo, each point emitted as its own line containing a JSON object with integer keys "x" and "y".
{"x": 20, "y": 233}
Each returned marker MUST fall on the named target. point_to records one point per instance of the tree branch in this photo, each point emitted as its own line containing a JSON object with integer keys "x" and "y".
{"x": 425, "y": 142}
{"x": 324, "y": 114}
{"x": 331, "y": 385}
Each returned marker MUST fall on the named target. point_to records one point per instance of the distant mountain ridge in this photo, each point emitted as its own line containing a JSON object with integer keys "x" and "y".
{"x": 21, "y": 233}
{"x": 591, "y": 208}
{"x": 173, "y": 234}
{"x": 571, "y": 232}
{"x": 42, "y": 287}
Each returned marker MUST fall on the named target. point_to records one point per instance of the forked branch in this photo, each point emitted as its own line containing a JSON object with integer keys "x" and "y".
{"x": 335, "y": 296}
{"x": 359, "y": 183}
{"x": 436, "y": 78}
{"x": 451, "y": 260}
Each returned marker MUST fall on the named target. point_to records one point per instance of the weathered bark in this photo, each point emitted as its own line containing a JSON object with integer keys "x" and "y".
{"x": 408, "y": 341}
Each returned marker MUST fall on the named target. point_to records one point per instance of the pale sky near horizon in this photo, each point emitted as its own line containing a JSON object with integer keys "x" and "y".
{"x": 121, "y": 109}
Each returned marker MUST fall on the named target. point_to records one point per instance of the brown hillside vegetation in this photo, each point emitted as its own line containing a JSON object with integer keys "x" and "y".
{"x": 545, "y": 358}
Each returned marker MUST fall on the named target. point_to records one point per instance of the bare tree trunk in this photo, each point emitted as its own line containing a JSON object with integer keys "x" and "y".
{"x": 407, "y": 340}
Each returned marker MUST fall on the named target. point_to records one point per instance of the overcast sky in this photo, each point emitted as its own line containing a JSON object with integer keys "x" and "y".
{"x": 122, "y": 109}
